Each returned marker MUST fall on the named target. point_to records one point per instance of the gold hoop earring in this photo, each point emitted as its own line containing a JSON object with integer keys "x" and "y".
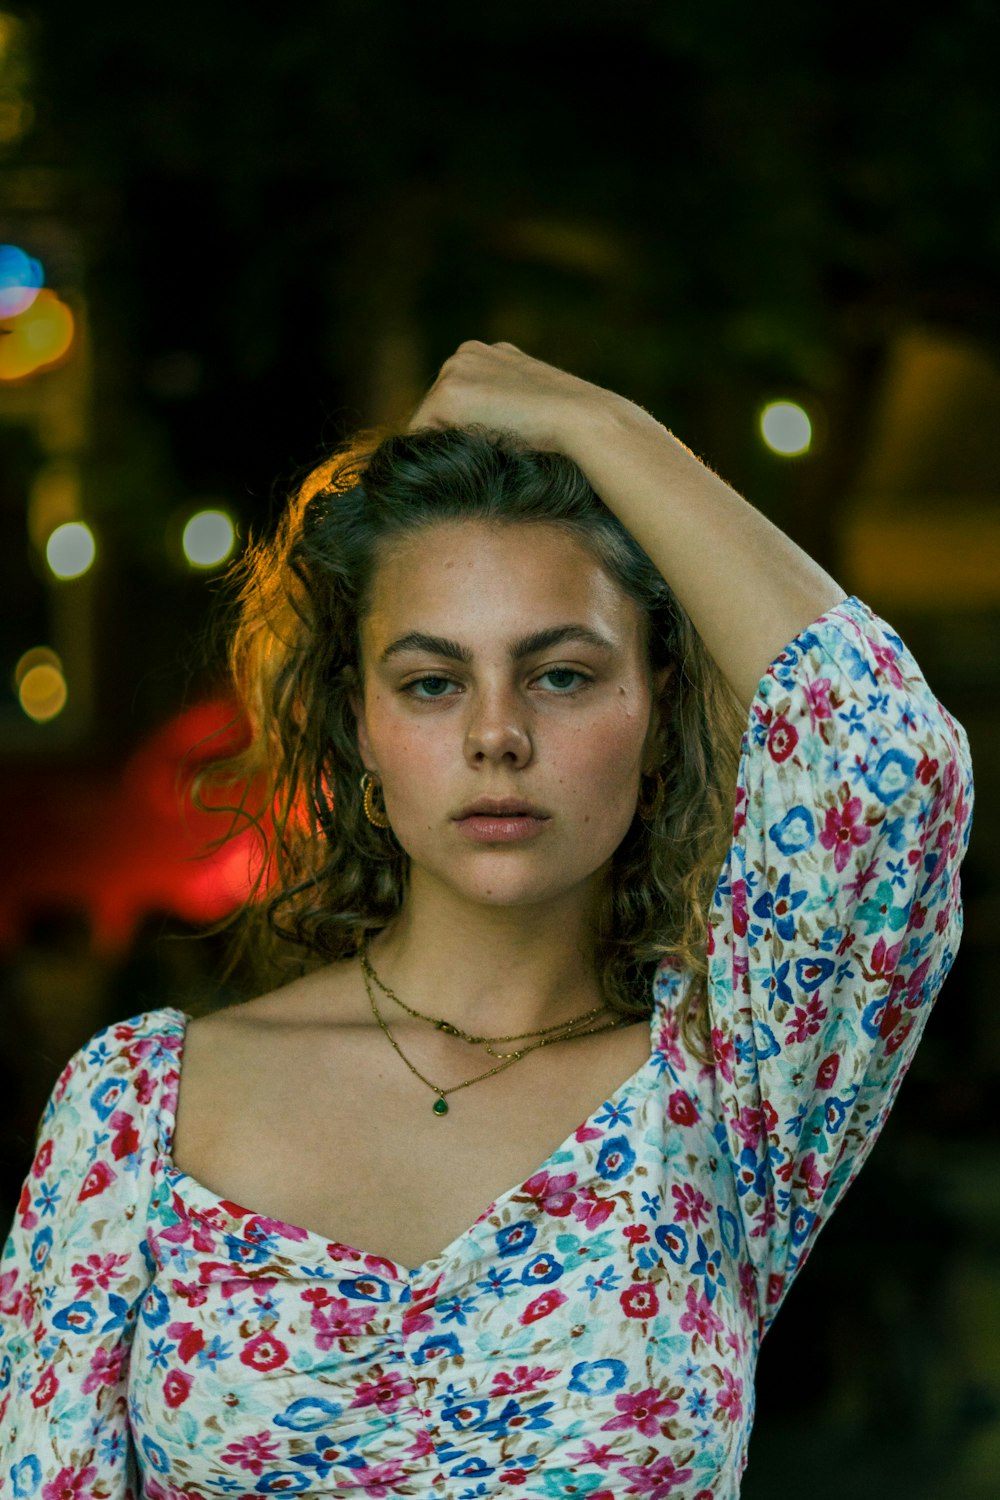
{"x": 375, "y": 815}
{"x": 648, "y": 810}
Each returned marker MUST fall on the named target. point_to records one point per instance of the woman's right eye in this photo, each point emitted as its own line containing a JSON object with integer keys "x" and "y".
{"x": 435, "y": 687}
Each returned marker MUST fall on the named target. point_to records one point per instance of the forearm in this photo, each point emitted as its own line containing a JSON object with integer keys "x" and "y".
{"x": 748, "y": 588}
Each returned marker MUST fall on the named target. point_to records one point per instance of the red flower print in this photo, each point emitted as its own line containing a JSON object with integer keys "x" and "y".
{"x": 43, "y": 1159}
{"x": 143, "y": 1086}
{"x": 97, "y": 1179}
{"x": 843, "y": 830}
{"x": 636, "y": 1234}
{"x": 689, "y": 1203}
{"x": 775, "y": 1287}
{"x": 810, "y": 1178}
{"x": 681, "y": 1109}
{"x": 640, "y": 1300}
{"x": 826, "y": 1074}
{"x": 730, "y": 1400}
{"x": 807, "y": 1020}
{"x": 644, "y": 1412}
{"x": 592, "y": 1211}
{"x": 699, "y": 1318}
{"x": 547, "y": 1303}
{"x": 264, "y": 1352}
{"x": 748, "y": 1287}
{"x": 782, "y": 738}
{"x": 177, "y": 1388}
{"x": 724, "y": 1053}
{"x": 554, "y": 1194}
{"x": 190, "y": 1339}
{"x": 127, "y": 1139}
{"x": 25, "y": 1212}
{"x": 521, "y": 1378}
{"x": 888, "y": 665}
{"x": 740, "y": 810}
{"x": 45, "y": 1389}
{"x": 69, "y": 1484}
{"x": 740, "y": 907}
{"x": 927, "y": 769}
{"x": 252, "y": 1453}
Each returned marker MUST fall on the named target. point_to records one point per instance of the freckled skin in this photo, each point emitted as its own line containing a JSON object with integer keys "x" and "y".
{"x": 502, "y": 728}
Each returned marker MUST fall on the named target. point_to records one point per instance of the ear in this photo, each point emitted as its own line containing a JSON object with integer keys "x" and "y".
{"x": 654, "y": 738}
{"x": 356, "y": 699}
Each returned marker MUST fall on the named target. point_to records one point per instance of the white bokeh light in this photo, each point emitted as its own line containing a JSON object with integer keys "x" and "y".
{"x": 209, "y": 538}
{"x": 786, "y": 428}
{"x": 70, "y": 549}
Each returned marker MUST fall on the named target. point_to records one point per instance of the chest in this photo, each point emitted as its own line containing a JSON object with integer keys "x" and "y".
{"x": 342, "y": 1139}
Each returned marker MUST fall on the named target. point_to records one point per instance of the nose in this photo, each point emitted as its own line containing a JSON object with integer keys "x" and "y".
{"x": 497, "y": 730}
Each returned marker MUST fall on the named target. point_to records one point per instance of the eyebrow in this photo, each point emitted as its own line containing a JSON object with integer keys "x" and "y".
{"x": 525, "y": 645}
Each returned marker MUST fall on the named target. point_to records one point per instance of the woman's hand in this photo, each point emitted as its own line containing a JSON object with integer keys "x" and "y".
{"x": 503, "y": 389}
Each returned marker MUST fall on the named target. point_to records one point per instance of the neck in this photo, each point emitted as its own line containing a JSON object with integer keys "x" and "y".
{"x": 493, "y": 971}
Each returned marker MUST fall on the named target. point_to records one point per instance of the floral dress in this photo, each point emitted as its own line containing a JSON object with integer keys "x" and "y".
{"x": 595, "y": 1333}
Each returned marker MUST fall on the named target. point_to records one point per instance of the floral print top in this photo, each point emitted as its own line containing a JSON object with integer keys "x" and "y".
{"x": 595, "y": 1333}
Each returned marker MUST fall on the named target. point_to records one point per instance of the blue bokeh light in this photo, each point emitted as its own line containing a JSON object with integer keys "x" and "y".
{"x": 21, "y": 277}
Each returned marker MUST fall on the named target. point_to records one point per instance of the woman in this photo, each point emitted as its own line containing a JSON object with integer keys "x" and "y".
{"x": 612, "y": 811}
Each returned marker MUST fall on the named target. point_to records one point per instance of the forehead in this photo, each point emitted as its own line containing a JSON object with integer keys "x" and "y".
{"x": 478, "y": 582}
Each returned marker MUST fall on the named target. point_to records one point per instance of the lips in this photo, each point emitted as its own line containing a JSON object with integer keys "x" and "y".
{"x": 500, "y": 807}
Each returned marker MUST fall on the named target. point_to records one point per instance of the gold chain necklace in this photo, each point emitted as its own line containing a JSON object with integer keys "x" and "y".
{"x": 440, "y": 1105}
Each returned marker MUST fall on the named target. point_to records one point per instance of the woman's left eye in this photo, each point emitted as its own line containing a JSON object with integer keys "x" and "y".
{"x": 563, "y": 673}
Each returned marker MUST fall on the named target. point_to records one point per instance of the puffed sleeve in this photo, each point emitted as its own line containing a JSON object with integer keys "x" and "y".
{"x": 834, "y": 923}
{"x": 75, "y": 1265}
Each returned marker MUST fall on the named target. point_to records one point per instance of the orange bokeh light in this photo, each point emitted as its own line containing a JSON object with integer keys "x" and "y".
{"x": 35, "y": 338}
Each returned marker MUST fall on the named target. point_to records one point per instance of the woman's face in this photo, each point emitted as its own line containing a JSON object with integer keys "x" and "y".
{"x": 502, "y": 663}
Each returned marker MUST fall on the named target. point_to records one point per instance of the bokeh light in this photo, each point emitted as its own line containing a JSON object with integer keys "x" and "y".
{"x": 39, "y": 336}
{"x": 41, "y": 686}
{"x": 786, "y": 428}
{"x": 209, "y": 537}
{"x": 20, "y": 279}
{"x": 71, "y": 549}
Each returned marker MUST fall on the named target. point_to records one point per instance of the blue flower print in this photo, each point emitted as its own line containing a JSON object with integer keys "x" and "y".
{"x": 365, "y": 1288}
{"x": 699, "y": 1403}
{"x": 751, "y": 1176}
{"x": 437, "y": 1346}
{"x": 464, "y": 1414}
{"x": 729, "y": 1228}
{"x": 308, "y": 1414}
{"x": 795, "y": 833}
{"x": 155, "y": 1309}
{"x": 708, "y": 1266}
{"x": 40, "y": 1247}
{"x": 597, "y": 1377}
{"x": 542, "y": 1270}
{"x": 811, "y": 972}
{"x": 616, "y": 1159}
{"x": 158, "y": 1460}
{"x": 777, "y": 984}
{"x": 78, "y": 1317}
{"x": 106, "y": 1097}
{"x": 892, "y": 775}
{"x": 283, "y": 1482}
{"x": 607, "y": 1281}
{"x": 779, "y": 907}
{"x": 515, "y": 1238}
{"x": 673, "y": 1239}
{"x": 26, "y": 1476}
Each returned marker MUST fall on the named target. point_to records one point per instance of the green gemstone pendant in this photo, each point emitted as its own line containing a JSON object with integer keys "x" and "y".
{"x": 440, "y": 1106}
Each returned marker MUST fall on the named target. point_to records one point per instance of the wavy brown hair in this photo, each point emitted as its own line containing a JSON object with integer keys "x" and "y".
{"x": 327, "y": 876}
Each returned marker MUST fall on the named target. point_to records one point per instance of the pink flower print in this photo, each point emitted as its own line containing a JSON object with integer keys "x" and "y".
{"x": 252, "y": 1453}
{"x": 69, "y": 1484}
{"x": 730, "y": 1400}
{"x": 522, "y": 1378}
{"x": 105, "y": 1367}
{"x": 826, "y": 1073}
{"x": 655, "y": 1480}
{"x": 644, "y": 1412}
{"x": 782, "y": 738}
{"x": 748, "y": 1288}
{"x": 600, "y": 1455}
{"x": 25, "y": 1212}
{"x": 384, "y": 1393}
{"x": 542, "y": 1306}
{"x": 844, "y": 830}
{"x": 740, "y": 811}
{"x": 681, "y": 1108}
{"x": 335, "y": 1317}
{"x": 554, "y": 1195}
{"x": 190, "y": 1339}
{"x": 807, "y": 1020}
{"x": 775, "y": 1287}
{"x": 818, "y": 698}
{"x": 99, "y": 1272}
{"x": 888, "y": 665}
{"x": 810, "y": 1177}
{"x": 591, "y": 1210}
{"x": 927, "y": 769}
{"x": 690, "y": 1203}
{"x": 724, "y": 1053}
{"x": 740, "y": 907}
{"x": 699, "y": 1318}
{"x": 640, "y": 1300}
{"x": 143, "y": 1086}
{"x": 749, "y": 1126}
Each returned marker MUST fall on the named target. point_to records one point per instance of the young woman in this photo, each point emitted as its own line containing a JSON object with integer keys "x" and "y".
{"x": 616, "y": 853}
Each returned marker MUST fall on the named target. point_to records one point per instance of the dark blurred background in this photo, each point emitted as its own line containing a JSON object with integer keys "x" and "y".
{"x": 231, "y": 236}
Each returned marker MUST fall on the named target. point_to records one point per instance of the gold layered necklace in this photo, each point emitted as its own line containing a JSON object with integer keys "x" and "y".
{"x": 548, "y": 1034}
